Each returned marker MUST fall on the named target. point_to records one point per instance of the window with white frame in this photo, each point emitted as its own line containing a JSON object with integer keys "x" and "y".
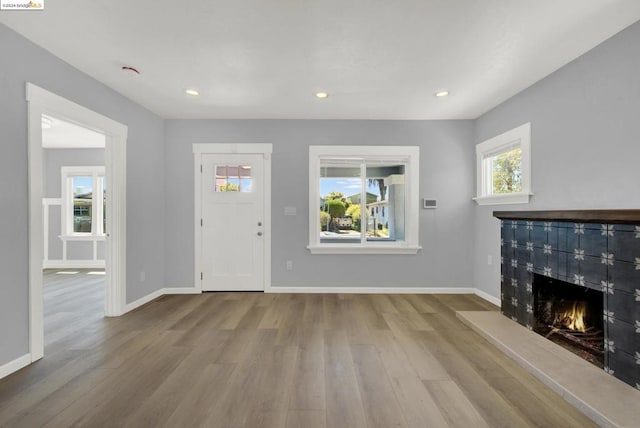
{"x": 84, "y": 201}
{"x": 363, "y": 199}
{"x": 503, "y": 165}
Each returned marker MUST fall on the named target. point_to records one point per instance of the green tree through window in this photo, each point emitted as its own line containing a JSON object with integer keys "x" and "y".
{"x": 507, "y": 172}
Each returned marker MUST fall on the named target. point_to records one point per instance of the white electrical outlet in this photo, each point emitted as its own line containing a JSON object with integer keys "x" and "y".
{"x": 143, "y": 276}
{"x": 489, "y": 259}
{"x": 289, "y": 265}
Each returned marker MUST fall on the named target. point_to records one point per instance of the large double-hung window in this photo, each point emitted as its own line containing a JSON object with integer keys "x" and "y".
{"x": 363, "y": 199}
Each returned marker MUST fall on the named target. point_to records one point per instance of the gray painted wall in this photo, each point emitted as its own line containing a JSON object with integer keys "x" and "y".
{"x": 446, "y": 173}
{"x": 53, "y": 160}
{"x": 24, "y": 62}
{"x": 585, "y": 155}
{"x": 585, "y": 141}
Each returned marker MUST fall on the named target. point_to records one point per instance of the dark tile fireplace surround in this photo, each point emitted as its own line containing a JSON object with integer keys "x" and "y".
{"x": 594, "y": 249}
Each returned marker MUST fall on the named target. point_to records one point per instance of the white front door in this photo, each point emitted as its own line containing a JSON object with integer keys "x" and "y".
{"x": 232, "y": 225}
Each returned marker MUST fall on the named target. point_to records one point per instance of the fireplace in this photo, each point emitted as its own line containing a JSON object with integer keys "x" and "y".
{"x": 544, "y": 254}
{"x": 571, "y": 316}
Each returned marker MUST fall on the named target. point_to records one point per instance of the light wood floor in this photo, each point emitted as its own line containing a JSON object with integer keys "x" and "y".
{"x": 272, "y": 360}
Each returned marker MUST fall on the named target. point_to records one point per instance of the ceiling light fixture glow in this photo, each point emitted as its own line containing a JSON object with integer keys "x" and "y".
{"x": 441, "y": 94}
{"x": 321, "y": 95}
{"x": 192, "y": 92}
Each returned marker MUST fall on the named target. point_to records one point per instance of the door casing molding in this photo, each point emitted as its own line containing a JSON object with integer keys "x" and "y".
{"x": 41, "y": 101}
{"x": 264, "y": 149}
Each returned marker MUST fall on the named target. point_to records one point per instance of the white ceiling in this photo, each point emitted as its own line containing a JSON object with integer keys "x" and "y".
{"x": 377, "y": 59}
{"x": 60, "y": 134}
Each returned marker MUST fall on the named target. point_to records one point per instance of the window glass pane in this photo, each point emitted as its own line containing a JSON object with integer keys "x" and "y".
{"x": 82, "y": 204}
{"x": 385, "y": 201}
{"x": 233, "y": 178}
{"x": 340, "y": 194}
{"x": 506, "y": 170}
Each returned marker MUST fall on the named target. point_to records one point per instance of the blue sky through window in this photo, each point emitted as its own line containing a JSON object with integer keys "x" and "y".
{"x": 347, "y": 186}
{"x": 82, "y": 185}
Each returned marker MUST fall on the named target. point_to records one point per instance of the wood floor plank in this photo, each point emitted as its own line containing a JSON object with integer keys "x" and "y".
{"x": 402, "y": 304}
{"x": 194, "y": 406}
{"x": 379, "y": 401}
{"x": 313, "y": 311}
{"x": 342, "y": 395}
{"x": 252, "y": 319}
{"x": 354, "y": 322}
{"x": 424, "y": 362}
{"x": 166, "y": 397}
{"x": 308, "y": 390}
{"x": 494, "y": 408}
{"x": 332, "y": 312}
{"x": 233, "y": 352}
{"x": 306, "y": 419}
{"x": 107, "y": 405}
{"x": 421, "y": 303}
{"x": 455, "y": 406}
{"x": 234, "y": 403}
{"x": 418, "y": 406}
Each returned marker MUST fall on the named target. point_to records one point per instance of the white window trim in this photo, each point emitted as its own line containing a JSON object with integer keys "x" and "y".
{"x": 67, "y": 174}
{"x": 412, "y": 202}
{"x": 520, "y": 136}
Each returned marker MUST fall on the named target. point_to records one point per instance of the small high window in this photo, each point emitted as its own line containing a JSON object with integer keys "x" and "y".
{"x": 504, "y": 168}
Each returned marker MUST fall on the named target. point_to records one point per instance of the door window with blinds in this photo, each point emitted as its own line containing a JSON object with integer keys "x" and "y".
{"x": 363, "y": 199}
{"x": 233, "y": 178}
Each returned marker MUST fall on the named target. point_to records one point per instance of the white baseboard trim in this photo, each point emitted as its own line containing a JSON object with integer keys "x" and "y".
{"x": 155, "y": 294}
{"x": 372, "y": 290}
{"x": 73, "y": 264}
{"x": 141, "y": 301}
{"x": 181, "y": 290}
{"x": 488, "y": 297}
{"x": 15, "y": 365}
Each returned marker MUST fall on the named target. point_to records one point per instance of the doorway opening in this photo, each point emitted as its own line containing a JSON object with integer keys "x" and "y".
{"x": 85, "y": 218}
{"x": 74, "y": 212}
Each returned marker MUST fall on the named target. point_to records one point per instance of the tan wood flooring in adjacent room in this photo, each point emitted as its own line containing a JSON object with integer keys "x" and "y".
{"x": 272, "y": 360}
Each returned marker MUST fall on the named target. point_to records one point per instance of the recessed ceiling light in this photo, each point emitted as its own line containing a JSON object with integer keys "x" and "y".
{"x": 441, "y": 94}
{"x": 321, "y": 95}
{"x": 192, "y": 92}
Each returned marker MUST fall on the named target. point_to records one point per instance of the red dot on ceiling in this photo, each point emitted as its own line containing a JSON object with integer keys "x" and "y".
{"x": 130, "y": 69}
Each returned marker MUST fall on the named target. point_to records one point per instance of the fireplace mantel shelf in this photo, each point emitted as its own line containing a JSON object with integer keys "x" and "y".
{"x": 576, "y": 216}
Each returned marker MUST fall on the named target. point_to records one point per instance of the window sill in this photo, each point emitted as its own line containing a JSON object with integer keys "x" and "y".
{"x": 511, "y": 198}
{"x": 82, "y": 237}
{"x": 362, "y": 249}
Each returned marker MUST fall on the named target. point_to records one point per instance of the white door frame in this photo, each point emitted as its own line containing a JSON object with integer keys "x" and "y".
{"x": 41, "y": 101}
{"x": 263, "y": 149}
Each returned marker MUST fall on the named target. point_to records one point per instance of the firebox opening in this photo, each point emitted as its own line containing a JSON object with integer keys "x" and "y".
{"x": 571, "y": 316}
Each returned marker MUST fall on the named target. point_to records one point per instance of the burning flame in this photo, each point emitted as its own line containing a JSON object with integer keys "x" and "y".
{"x": 573, "y": 318}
